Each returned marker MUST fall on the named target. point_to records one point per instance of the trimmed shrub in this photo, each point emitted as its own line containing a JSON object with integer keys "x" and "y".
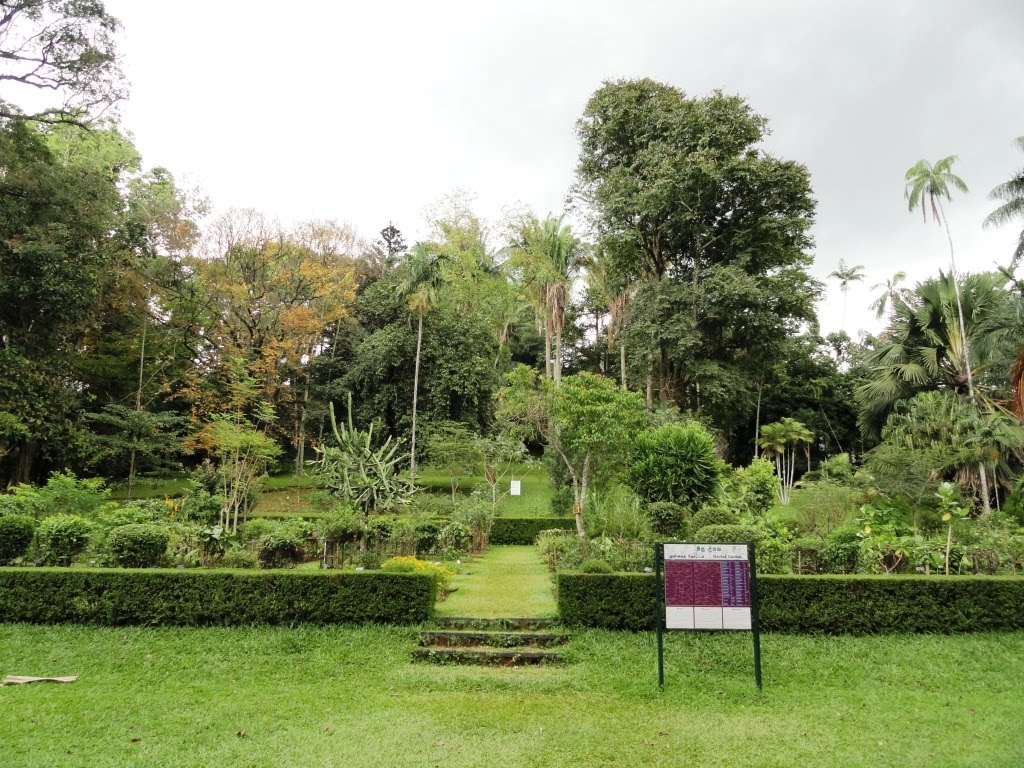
{"x": 16, "y": 532}
{"x": 728, "y": 534}
{"x": 164, "y": 597}
{"x": 524, "y": 530}
{"x": 756, "y": 486}
{"x": 837, "y": 605}
{"x": 667, "y": 518}
{"x": 62, "y": 538}
{"x": 137, "y": 545}
{"x": 596, "y": 566}
{"x": 713, "y": 516}
{"x": 677, "y": 463}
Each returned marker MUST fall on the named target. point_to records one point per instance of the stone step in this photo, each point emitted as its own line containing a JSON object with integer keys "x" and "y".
{"x": 498, "y": 624}
{"x": 449, "y": 638}
{"x": 508, "y": 657}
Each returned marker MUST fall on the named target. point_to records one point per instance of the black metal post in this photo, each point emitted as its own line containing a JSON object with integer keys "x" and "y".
{"x": 659, "y": 554}
{"x": 755, "y": 623}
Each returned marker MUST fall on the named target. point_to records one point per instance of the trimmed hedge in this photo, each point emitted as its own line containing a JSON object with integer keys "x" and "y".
{"x": 204, "y": 598}
{"x": 524, "y": 530}
{"x": 837, "y": 605}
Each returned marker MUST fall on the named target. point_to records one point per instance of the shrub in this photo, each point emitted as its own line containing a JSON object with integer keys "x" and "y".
{"x": 479, "y": 518}
{"x": 453, "y": 538}
{"x": 524, "y": 530}
{"x": 840, "y": 552}
{"x": 807, "y": 555}
{"x": 755, "y": 487}
{"x": 239, "y": 558}
{"x": 403, "y": 564}
{"x": 677, "y": 463}
{"x": 284, "y": 546}
{"x": 617, "y": 513}
{"x": 16, "y": 533}
{"x": 816, "y": 604}
{"x": 713, "y": 516}
{"x": 174, "y": 597}
{"x": 137, "y": 545}
{"x": 62, "y": 537}
{"x": 596, "y": 566}
{"x": 562, "y": 501}
{"x": 200, "y": 506}
{"x": 773, "y": 554}
{"x": 667, "y": 518}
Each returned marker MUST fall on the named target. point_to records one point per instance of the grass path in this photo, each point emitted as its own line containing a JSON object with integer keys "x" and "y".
{"x": 505, "y": 581}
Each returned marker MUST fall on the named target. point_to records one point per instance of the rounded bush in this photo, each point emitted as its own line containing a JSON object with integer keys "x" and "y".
{"x": 841, "y": 551}
{"x": 667, "y": 518}
{"x": 16, "y": 532}
{"x": 677, "y": 463}
{"x": 239, "y": 558}
{"x": 137, "y": 545}
{"x": 728, "y": 534}
{"x": 713, "y": 516}
{"x": 596, "y": 566}
{"x": 284, "y": 546}
{"x": 63, "y": 537}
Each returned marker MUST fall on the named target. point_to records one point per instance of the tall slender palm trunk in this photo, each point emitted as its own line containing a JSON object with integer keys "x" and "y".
{"x": 415, "y": 397}
{"x": 982, "y": 474}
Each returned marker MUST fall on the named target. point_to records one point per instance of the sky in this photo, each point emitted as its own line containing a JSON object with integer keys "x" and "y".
{"x": 370, "y": 113}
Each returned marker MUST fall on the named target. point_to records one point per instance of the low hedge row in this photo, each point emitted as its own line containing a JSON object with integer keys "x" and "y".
{"x": 524, "y": 530}
{"x": 204, "y": 598}
{"x": 838, "y": 605}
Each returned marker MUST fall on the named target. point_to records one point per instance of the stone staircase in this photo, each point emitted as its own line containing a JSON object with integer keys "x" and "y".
{"x": 511, "y": 642}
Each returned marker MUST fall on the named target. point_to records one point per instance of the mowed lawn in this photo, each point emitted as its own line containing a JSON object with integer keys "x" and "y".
{"x": 351, "y": 697}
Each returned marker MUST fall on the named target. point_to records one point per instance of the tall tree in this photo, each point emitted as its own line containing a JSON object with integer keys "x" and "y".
{"x": 550, "y": 256}
{"x": 714, "y": 233}
{"x": 1011, "y": 192}
{"x": 421, "y": 279}
{"x": 890, "y": 292}
{"x": 926, "y": 185}
{"x": 846, "y": 275}
{"x": 63, "y": 48}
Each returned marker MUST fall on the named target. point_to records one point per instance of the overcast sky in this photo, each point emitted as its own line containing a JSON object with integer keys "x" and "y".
{"x": 369, "y": 112}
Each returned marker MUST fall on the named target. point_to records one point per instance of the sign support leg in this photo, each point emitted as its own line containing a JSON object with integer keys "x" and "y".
{"x": 660, "y": 611}
{"x": 755, "y": 623}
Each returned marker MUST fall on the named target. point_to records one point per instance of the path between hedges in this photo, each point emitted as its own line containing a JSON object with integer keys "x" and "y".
{"x": 505, "y": 581}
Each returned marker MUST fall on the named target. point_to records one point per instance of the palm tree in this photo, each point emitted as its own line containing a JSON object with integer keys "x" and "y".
{"x": 615, "y": 291}
{"x": 926, "y": 348}
{"x": 926, "y": 185}
{"x": 846, "y": 275}
{"x": 1012, "y": 194}
{"x": 421, "y": 278}
{"x": 890, "y": 293}
{"x": 549, "y": 256}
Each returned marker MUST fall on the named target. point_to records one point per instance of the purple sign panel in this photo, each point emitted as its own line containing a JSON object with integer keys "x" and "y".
{"x": 707, "y": 586}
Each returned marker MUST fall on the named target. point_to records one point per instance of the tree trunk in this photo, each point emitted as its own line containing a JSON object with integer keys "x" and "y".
{"x": 967, "y": 352}
{"x": 415, "y": 397}
{"x": 557, "y": 363}
{"x": 547, "y": 348}
{"x": 757, "y": 423}
{"x": 650, "y": 382}
{"x": 622, "y": 363}
{"x": 580, "y": 491}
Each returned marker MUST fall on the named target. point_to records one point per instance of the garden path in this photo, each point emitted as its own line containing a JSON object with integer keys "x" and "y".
{"x": 505, "y": 581}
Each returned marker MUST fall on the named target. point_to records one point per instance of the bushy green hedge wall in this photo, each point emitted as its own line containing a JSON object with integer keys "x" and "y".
{"x": 202, "y": 598}
{"x": 817, "y": 604}
{"x": 524, "y": 530}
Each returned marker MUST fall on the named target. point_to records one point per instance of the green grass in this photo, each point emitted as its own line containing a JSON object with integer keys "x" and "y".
{"x": 505, "y": 581}
{"x": 255, "y": 697}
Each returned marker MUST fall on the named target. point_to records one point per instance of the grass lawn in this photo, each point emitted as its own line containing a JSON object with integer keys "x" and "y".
{"x": 350, "y": 697}
{"x": 504, "y": 581}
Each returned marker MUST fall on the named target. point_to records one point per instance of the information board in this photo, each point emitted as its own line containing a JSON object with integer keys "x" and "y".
{"x": 707, "y": 586}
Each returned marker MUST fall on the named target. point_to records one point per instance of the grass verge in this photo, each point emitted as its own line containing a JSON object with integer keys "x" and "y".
{"x": 255, "y": 697}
